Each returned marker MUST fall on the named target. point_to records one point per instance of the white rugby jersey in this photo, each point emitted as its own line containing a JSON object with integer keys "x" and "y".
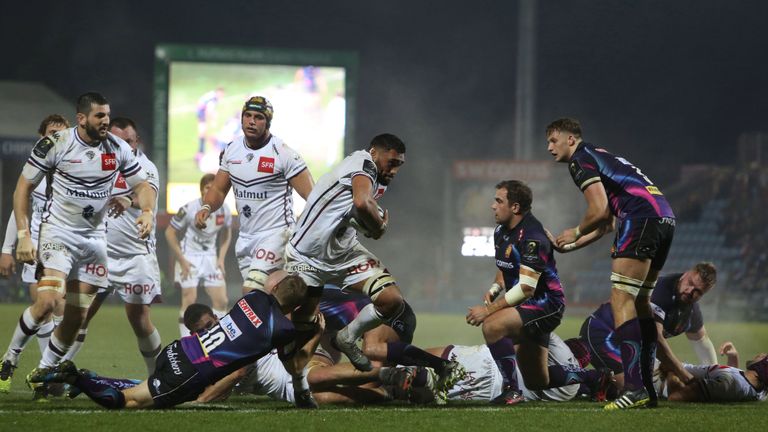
{"x": 82, "y": 178}
{"x": 720, "y": 383}
{"x": 37, "y": 202}
{"x": 122, "y": 233}
{"x": 260, "y": 183}
{"x": 196, "y": 240}
{"x": 322, "y": 233}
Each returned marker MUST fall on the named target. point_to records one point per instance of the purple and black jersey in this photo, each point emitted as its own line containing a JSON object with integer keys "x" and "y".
{"x": 340, "y": 307}
{"x": 631, "y": 194}
{"x": 527, "y": 244}
{"x": 676, "y": 317}
{"x": 253, "y": 327}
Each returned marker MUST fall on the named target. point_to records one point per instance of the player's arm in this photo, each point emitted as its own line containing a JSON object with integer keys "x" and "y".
{"x": 667, "y": 357}
{"x": 302, "y": 183}
{"x": 728, "y": 349}
{"x": 703, "y": 346}
{"x": 225, "y": 236}
{"x": 598, "y": 214}
{"x": 519, "y": 293}
{"x": 171, "y": 236}
{"x": 497, "y": 287}
{"x": 367, "y": 209}
{"x": 680, "y": 392}
{"x": 7, "y": 263}
{"x": 25, "y": 250}
{"x": 222, "y": 388}
{"x": 214, "y": 198}
{"x": 584, "y": 240}
{"x": 146, "y": 196}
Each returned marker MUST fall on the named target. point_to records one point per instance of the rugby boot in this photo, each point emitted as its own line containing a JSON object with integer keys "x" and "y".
{"x": 305, "y": 400}
{"x": 629, "y": 399}
{"x": 6, "y": 373}
{"x": 351, "y": 350}
{"x": 429, "y": 392}
{"x": 452, "y": 373}
{"x": 599, "y": 388}
{"x": 64, "y": 372}
{"x": 509, "y": 396}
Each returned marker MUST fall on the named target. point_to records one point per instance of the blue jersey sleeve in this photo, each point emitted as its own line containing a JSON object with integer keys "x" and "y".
{"x": 584, "y": 169}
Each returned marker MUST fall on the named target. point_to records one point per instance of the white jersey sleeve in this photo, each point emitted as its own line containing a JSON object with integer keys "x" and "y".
{"x": 122, "y": 233}
{"x": 130, "y": 167}
{"x": 46, "y": 155}
{"x": 11, "y": 233}
{"x": 291, "y": 162}
{"x": 181, "y": 220}
{"x": 719, "y": 383}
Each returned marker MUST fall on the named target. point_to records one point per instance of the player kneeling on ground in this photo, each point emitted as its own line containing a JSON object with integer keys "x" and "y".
{"x": 255, "y": 326}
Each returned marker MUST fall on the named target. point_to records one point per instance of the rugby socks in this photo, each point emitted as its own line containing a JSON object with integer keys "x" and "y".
{"x": 150, "y": 347}
{"x": 367, "y": 319}
{"x": 54, "y": 353}
{"x": 78, "y": 345}
{"x": 503, "y": 353}
{"x": 630, "y": 339}
{"x": 562, "y": 375}
{"x": 648, "y": 353}
{"x": 183, "y": 330}
{"x": 44, "y": 334}
{"x": 408, "y": 355}
{"x": 98, "y": 389}
{"x": 25, "y": 329}
{"x": 57, "y": 320}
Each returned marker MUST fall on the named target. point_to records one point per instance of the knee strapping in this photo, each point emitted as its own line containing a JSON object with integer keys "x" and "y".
{"x": 376, "y": 283}
{"x": 627, "y": 284}
{"x": 80, "y": 300}
{"x": 52, "y": 283}
{"x": 256, "y": 279}
{"x": 647, "y": 289}
{"x": 403, "y": 323}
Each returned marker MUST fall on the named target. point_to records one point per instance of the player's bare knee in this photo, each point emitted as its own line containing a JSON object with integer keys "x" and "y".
{"x": 389, "y": 302}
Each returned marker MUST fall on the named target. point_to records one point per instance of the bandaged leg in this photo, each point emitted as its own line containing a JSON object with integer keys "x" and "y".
{"x": 60, "y": 343}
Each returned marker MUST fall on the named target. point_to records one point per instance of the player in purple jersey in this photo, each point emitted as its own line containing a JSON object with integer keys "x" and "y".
{"x": 676, "y": 311}
{"x": 254, "y": 326}
{"x": 613, "y": 187}
{"x": 533, "y": 304}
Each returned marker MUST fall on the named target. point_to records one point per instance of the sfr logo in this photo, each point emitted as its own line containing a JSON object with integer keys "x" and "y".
{"x": 108, "y": 162}
{"x": 266, "y": 165}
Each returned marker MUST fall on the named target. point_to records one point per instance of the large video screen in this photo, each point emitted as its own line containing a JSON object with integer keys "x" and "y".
{"x": 205, "y": 99}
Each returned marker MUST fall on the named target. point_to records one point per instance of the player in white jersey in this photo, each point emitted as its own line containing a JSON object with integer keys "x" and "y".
{"x": 83, "y": 164}
{"x": 325, "y": 249}
{"x": 28, "y": 325}
{"x": 132, "y": 261}
{"x": 719, "y": 383}
{"x": 262, "y": 171}
{"x": 196, "y": 256}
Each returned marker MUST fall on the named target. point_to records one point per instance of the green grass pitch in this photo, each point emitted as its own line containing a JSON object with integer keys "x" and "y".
{"x": 111, "y": 350}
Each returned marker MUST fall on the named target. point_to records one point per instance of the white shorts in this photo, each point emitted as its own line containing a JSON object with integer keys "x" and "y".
{"x": 204, "y": 269}
{"x": 28, "y": 273}
{"x": 357, "y": 265}
{"x": 268, "y": 377}
{"x": 82, "y": 258}
{"x": 261, "y": 251}
{"x": 136, "y": 279}
{"x": 559, "y": 354}
{"x": 483, "y": 381}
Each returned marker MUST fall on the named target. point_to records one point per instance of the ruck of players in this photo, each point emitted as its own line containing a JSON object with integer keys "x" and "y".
{"x": 318, "y": 318}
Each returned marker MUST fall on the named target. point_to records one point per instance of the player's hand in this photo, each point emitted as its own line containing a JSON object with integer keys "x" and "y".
{"x": 305, "y": 400}
{"x": 186, "y": 269}
{"x": 477, "y": 314}
{"x": 319, "y": 323}
{"x": 7, "y": 265}
{"x": 488, "y": 298}
{"x": 566, "y": 237}
{"x": 25, "y": 250}
{"x": 145, "y": 222}
{"x": 383, "y": 228}
{"x": 118, "y": 205}
{"x": 200, "y": 217}
{"x": 222, "y": 268}
{"x": 728, "y": 349}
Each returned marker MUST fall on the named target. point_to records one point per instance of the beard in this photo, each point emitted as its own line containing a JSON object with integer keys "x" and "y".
{"x": 93, "y": 132}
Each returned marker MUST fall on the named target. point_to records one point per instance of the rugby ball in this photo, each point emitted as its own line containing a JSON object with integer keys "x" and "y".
{"x": 356, "y": 222}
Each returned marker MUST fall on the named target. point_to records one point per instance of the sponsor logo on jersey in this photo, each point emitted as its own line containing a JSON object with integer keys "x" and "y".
{"x": 173, "y": 359}
{"x": 653, "y": 190}
{"x": 88, "y": 194}
{"x": 74, "y": 161}
{"x": 249, "y": 313}
{"x": 379, "y": 192}
{"x": 90, "y": 154}
{"x": 266, "y": 165}
{"x": 43, "y": 147}
{"x": 220, "y": 219}
{"x": 250, "y": 195}
{"x": 235, "y": 162}
{"x": 120, "y": 182}
{"x": 156, "y": 385}
{"x": 88, "y": 212}
{"x": 504, "y": 264}
{"x": 98, "y": 269}
{"x": 247, "y": 211}
{"x": 230, "y": 328}
{"x": 508, "y": 252}
{"x": 249, "y": 157}
{"x": 531, "y": 253}
{"x": 108, "y": 162}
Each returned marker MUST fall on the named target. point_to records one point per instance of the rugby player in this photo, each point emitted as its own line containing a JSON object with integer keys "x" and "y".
{"x": 613, "y": 187}
{"x": 198, "y": 260}
{"x": 263, "y": 171}
{"x": 206, "y": 111}
{"x": 133, "y": 270}
{"x": 82, "y": 164}
{"x": 533, "y": 302}
{"x": 325, "y": 249}
{"x": 675, "y": 308}
{"x": 31, "y": 322}
{"x": 252, "y": 328}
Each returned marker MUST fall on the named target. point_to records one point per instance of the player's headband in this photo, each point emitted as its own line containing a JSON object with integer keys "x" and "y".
{"x": 260, "y": 104}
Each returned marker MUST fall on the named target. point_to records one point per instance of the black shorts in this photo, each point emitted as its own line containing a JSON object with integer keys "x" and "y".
{"x": 604, "y": 347}
{"x": 644, "y": 239}
{"x": 540, "y": 318}
{"x": 175, "y": 379}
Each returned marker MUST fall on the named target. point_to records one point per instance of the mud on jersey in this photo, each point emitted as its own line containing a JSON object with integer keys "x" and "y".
{"x": 196, "y": 240}
{"x": 82, "y": 177}
{"x": 631, "y": 194}
{"x": 122, "y": 233}
{"x": 260, "y": 182}
{"x": 321, "y": 232}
